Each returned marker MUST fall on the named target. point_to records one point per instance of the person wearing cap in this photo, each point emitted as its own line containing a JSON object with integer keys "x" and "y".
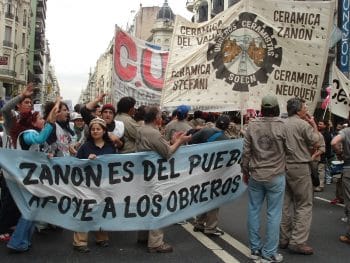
{"x": 180, "y": 124}
{"x": 149, "y": 138}
{"x": 115, "y": 128}
{"x": 263, "y": 167}
{"x": 125, "y": 113}
{"x": 208, "y": 222}
{"x": 79, "y": 124}
{"x": 302, "y": 134}
{"x": 98, "y": 142}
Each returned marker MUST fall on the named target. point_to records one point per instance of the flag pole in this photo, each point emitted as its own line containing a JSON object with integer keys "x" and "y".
{"x": 325, "y": 111}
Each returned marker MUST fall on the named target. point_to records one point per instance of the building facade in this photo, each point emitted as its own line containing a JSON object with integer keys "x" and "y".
{"x": 204, "y": 10}
{"x": 15, "y": 29}
{"x": 153, "y": 24}
{"x": 163, "y": 27}
{"x": 22, "y": 46}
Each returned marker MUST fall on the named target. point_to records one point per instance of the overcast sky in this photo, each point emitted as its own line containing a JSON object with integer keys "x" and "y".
{"x": 79, "y": 31}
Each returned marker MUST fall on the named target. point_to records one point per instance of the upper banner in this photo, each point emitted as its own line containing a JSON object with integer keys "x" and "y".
{"x": 252, "y": 49}
{"x": 340, "y": 100}
{"x": 139, "y": 69}
{"x": 124, "y": 191}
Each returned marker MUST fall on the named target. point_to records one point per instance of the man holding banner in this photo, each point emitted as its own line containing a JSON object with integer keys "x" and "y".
{"x": 149, "y": 138}
{"x": 208, "y": 222}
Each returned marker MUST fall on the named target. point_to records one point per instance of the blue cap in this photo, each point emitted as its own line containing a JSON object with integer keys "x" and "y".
{"x": 182, "y": 111}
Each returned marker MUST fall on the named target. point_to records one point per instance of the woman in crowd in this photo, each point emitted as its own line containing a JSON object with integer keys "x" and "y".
{"x": 9, "y": 213}
{"x": 97, "y": 143}
{"x": 29, "y": 132}
{"x": 63, "y": 138}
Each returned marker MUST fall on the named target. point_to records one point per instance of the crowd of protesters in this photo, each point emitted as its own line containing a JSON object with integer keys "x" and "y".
{"x": 284, "y": 161}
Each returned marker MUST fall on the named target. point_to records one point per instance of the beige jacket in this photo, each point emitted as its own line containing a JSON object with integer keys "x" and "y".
{"x": 264, "y": 150}
{"x": 130, "y": 130}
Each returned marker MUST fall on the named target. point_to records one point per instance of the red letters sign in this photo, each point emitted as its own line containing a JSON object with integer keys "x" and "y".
{"x": 137, "y": 64}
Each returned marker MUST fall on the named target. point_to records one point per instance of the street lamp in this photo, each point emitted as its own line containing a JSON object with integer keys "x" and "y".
{"x": 14, "y": 69}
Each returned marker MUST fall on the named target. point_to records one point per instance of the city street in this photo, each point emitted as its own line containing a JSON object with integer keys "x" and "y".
{"x": 55, "y": 246}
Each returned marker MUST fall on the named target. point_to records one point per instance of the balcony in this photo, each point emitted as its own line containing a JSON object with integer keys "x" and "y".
{"x": 42, "y": 3}
{"x": 38, "y": 78}
{"x": 40, "y": 12}
{"x": 38, "y": 67}
{"x": 189, "y": 5}
{"x": 38, "y": 56}
{"x": 7, "y": 72}
{"x": 9, "y": 15}
{"x": 7, "y": 43}
{"x": 39, "y": 25}
{"x": 39, "y": 53}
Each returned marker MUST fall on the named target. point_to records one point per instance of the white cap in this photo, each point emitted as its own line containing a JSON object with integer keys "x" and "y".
{"x": 75, "y": 115}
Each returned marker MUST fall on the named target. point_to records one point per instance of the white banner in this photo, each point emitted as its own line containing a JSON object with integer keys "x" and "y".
{"x": 124, "y": 191}
{"x": 252, "y": 49}
{"x": 139, "y": 69}
{"x": 340, "y": 102}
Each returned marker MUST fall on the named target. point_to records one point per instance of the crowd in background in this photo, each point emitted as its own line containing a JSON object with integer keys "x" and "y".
{"x": 95, "y": 129}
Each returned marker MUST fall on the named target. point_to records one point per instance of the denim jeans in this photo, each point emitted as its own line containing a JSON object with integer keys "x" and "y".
{"x": 273, "y": 191}
{"x": 22, "y": 237}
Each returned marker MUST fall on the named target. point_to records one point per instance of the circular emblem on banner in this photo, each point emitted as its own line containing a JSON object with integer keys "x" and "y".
{"x": 245, "y": 53}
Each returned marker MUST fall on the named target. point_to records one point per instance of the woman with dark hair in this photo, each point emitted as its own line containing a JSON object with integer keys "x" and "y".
{"x": 140, "y": 114}
{"x": 63, "y": 138}
{"x": 97, "y": 143}
{"x": 29, "y": 133}
{"x": 9, "y": 213}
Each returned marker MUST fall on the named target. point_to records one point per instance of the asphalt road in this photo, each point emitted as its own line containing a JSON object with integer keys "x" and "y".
{"x": 56, "y": 246}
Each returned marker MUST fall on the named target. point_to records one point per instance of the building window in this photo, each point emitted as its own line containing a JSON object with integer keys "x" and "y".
{"x": 203, "y": 13}
{"x": 21, "y": 68}
{"x": 23, "y": 40}
{"x": 25, "y": 17}
{"x": 8, "y": 33}
{"x": 218, "y": 6}
{"x": 232, "y": 2}
{"x": 9, "y": 7}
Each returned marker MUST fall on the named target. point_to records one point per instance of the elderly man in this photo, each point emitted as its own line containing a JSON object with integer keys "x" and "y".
{"x": 149, "y": 138}
{"x": 263, "y": 167}
{"x": 302, "y": 134}
{"x": 180, "y": 124}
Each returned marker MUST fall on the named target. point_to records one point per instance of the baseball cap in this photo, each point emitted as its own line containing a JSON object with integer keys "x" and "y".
{"x": 269, "y": 101}
{"x": 75, "y": 116}
{"x": 182, "y": 111}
